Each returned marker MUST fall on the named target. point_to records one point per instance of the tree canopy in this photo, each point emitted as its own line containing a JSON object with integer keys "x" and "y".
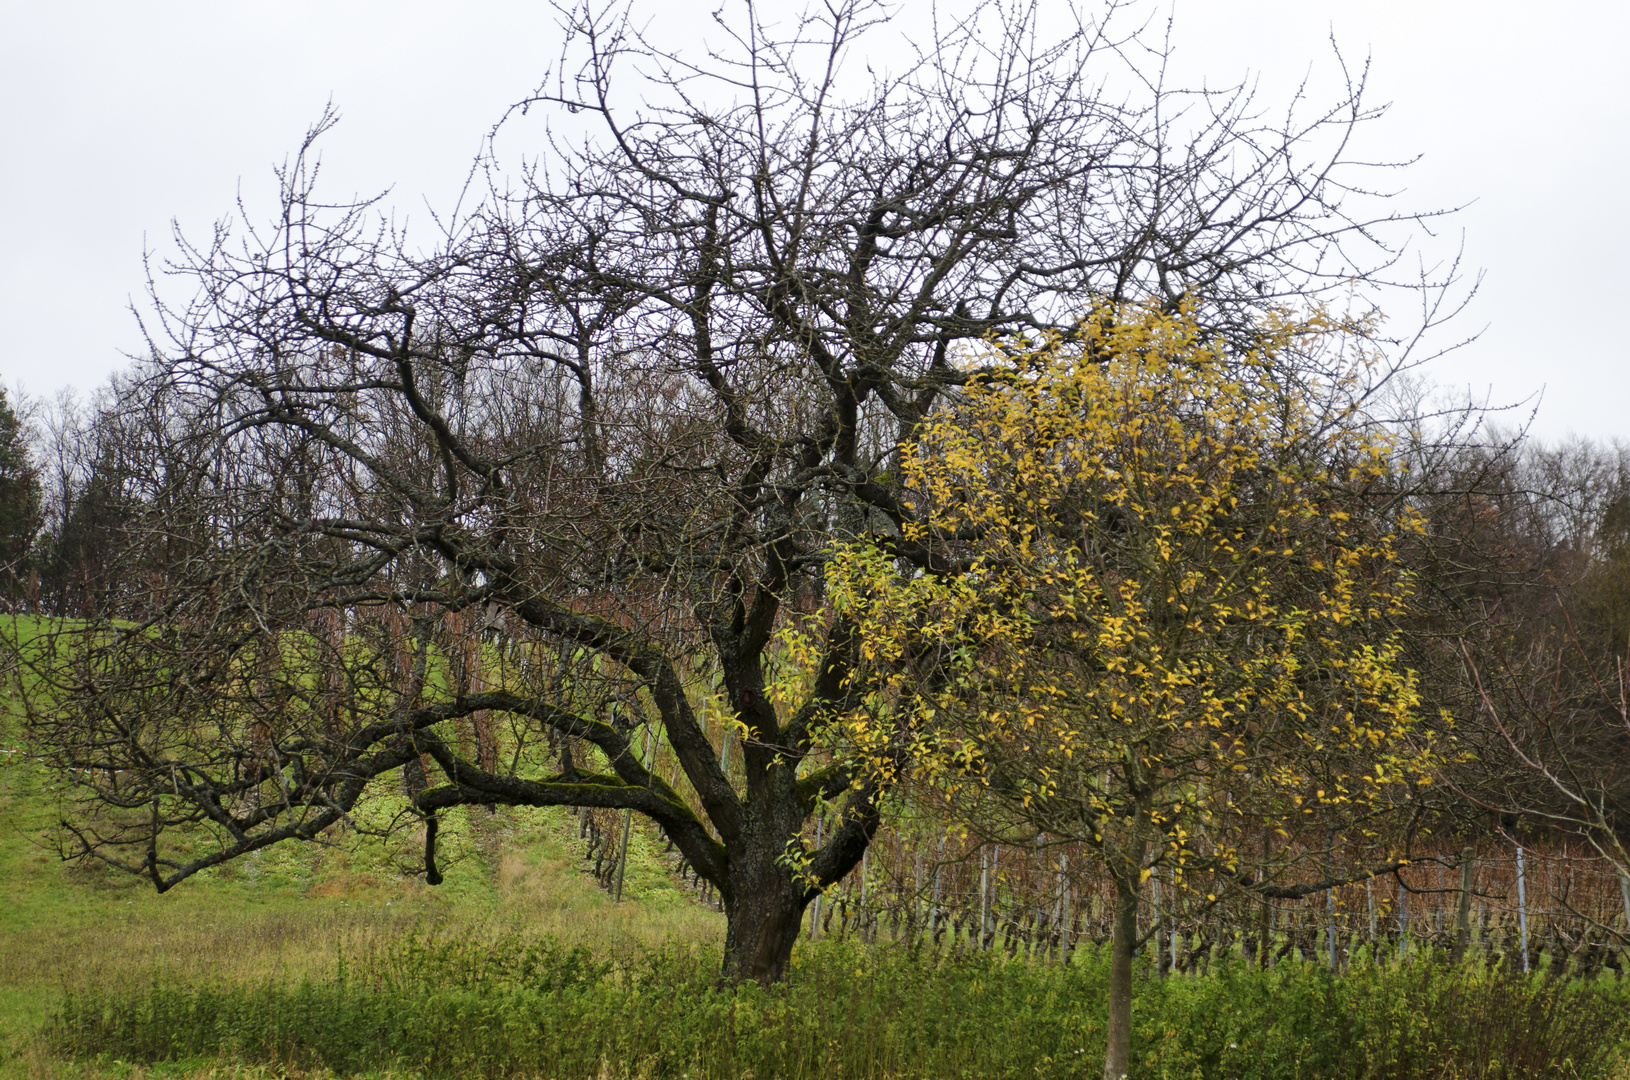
{"x": 1160, "y": 613}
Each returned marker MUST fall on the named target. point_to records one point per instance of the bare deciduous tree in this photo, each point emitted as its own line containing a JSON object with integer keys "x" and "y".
{"x": 1554, "y": 745}
{"x": 572, "y": 468}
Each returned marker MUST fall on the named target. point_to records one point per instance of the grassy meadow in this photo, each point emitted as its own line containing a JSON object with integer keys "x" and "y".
{"x": 292, "y": 913}
{"x": 332, "y": 960}
{"x": 318, "y": 962}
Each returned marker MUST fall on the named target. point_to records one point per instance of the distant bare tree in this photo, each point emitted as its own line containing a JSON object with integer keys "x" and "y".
{"x": 1548, "y": 728}
{"x": 1553, "y": 744}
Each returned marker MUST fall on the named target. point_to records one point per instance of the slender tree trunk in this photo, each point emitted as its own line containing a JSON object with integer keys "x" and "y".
{"x": 1123, "y": 938}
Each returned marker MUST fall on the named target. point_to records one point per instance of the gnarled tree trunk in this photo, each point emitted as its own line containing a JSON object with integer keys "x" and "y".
{"x": 765, "y": 914}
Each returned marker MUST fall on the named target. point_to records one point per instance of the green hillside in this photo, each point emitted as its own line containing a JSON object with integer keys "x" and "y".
{"x": 334, "y": 959}
{"x": 294, "y": 910}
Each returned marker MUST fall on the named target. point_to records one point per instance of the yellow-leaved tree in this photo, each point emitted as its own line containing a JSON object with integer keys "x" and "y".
{"x": 1162, "y": 619}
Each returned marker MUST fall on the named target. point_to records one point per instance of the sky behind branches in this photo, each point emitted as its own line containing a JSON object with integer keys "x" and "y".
{"x": 119, "y": 119}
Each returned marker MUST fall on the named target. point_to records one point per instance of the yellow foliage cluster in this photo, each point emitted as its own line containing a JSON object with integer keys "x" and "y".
{"x": 1162, "y": 601}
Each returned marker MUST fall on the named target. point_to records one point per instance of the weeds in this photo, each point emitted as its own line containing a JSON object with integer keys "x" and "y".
{"x": 450, "y": 1007}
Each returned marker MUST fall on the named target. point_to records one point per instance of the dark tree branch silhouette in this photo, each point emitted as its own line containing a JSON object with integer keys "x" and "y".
{"x": 575, "y": 466}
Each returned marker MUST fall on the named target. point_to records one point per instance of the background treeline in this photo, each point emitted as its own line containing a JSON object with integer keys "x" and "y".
{"x": 67, "y": 493}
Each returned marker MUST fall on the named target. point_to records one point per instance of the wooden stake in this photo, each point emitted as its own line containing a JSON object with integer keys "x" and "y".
{"x": 628, "y": 823}
{"x": 1463, "y": 914}
{"x": 1522, "y": 909}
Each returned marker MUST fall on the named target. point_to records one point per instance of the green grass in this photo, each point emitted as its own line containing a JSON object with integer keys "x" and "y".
{"x": 313, "y": 961}
{"x": 293, "y": 910}
{"x": 444, "y": 1006}
{"x": 290, "y": 911}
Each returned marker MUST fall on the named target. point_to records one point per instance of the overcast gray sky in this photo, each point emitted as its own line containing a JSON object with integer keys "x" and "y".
{"x": 119, "y": 118}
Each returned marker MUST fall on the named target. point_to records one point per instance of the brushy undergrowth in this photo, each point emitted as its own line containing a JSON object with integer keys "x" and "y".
{"x": 455, "y": 1008}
